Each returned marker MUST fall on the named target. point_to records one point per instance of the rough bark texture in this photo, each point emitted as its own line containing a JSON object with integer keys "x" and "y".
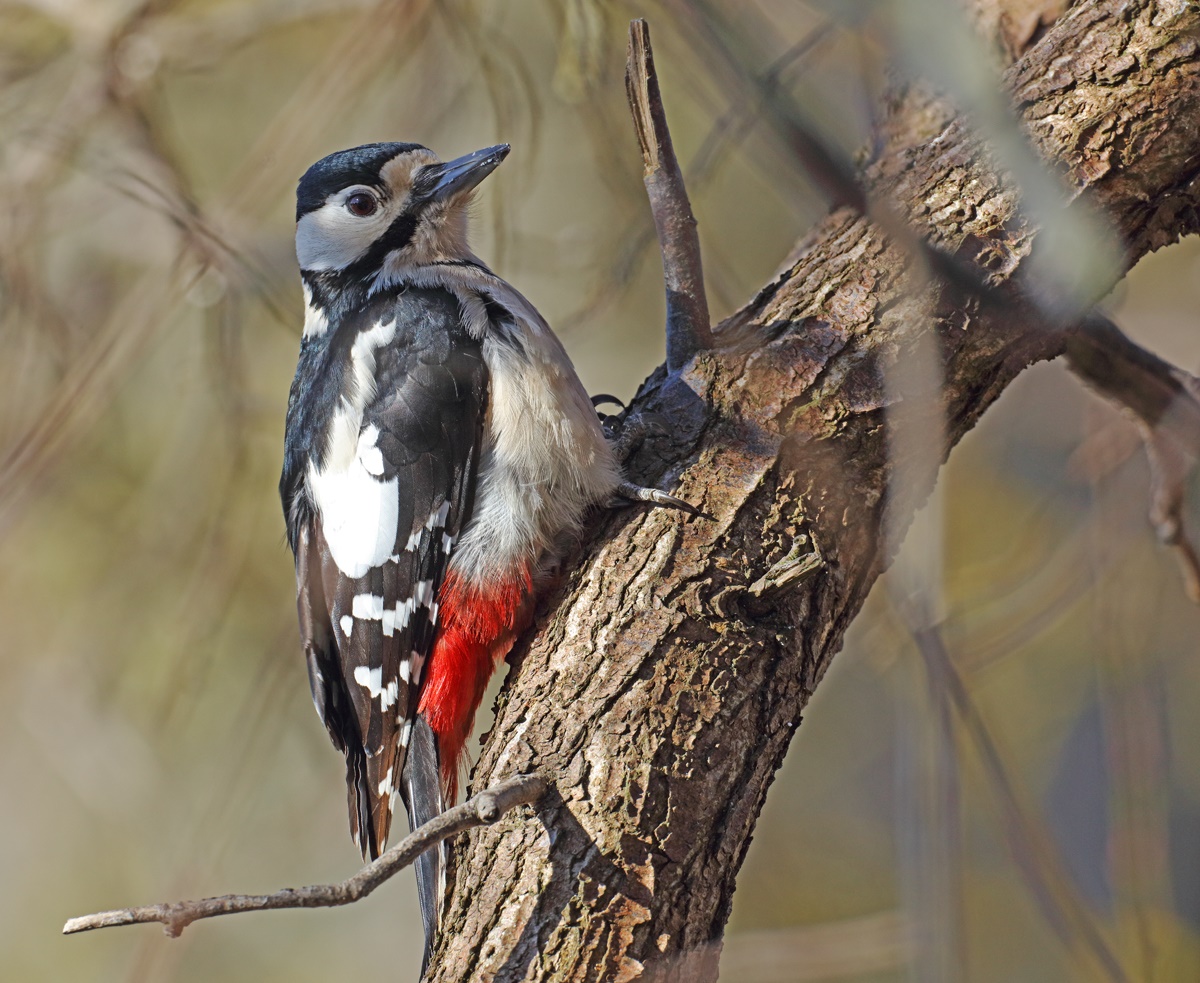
{"x": 668, "y": 675}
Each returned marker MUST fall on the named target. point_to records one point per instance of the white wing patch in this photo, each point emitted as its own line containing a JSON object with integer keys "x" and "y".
{"x": 385, "y": 784}
{"x": 359, "y": 512}
{"x": 369, "y": 454}
{"x": 372, "y": 681}
{"x": 415, "y": 664}
{"x": 362, "y": 360}
{"x": 370, "y": 607}
{"x": 424, "y": 593}
{"x": 398, "y": 617}
{"x": 437, "y": 518}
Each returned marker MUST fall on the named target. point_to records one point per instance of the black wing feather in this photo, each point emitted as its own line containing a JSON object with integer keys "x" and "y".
{"x": 429, "y": 407}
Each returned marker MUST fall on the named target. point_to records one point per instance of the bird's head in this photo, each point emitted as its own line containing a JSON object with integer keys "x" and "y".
{"x": 386, "y": 204}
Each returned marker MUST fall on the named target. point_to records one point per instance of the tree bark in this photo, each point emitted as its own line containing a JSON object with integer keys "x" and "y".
{"x": 669, "y": 672}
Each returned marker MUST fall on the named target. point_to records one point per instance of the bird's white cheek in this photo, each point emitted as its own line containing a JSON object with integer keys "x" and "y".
{"x": 331, "y": 238}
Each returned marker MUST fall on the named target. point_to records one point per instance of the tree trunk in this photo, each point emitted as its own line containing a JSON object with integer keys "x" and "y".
{"x": 669, "y": 672}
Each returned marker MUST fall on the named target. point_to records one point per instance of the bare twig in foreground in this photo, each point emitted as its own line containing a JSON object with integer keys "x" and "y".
{"x": 1165, "y": 403}
{"x": 688, "y": 328}
{"x": 481, "y": 810}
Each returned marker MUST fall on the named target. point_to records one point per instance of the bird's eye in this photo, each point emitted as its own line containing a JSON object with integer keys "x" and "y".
{"x": 362, "y": 204}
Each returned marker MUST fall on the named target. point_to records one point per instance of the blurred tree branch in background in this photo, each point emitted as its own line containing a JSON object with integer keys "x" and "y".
{"x": 1165, "y": 402}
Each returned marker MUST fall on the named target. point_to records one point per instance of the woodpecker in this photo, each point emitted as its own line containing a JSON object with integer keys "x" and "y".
{"x": 440, "y": 451}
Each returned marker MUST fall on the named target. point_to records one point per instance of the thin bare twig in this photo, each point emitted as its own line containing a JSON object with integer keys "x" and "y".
{"x": 480, "y": 810}
{"x": 688, "y": 328}
{"x": 1165, "y": 403}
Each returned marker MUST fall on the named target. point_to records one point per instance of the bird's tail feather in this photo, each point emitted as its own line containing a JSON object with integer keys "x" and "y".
{"x": 423, "y": 797}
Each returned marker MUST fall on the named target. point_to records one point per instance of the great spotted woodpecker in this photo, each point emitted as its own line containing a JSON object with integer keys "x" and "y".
{"x": 439, "y": 452}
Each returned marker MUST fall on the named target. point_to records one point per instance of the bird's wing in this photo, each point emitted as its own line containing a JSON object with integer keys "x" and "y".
{"x": 390, "y": 501}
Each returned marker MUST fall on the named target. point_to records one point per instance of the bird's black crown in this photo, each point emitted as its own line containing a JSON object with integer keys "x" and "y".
{"x": 359, "y": 165}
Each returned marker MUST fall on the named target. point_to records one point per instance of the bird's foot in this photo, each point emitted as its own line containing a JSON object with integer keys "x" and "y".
{"x": 626, "y": 433}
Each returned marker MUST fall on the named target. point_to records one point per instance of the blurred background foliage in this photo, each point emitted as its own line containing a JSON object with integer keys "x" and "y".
{"x": 1018, "y": 800}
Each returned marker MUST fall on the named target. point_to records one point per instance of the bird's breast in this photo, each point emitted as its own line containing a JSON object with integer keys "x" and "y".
{"x": 545, "y": 460}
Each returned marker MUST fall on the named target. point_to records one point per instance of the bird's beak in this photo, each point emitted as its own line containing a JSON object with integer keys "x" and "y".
{"x": 464, "y": 173}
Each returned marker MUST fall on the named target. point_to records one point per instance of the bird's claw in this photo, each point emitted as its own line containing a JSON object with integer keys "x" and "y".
{"x": 604, "y": 399}
{"x": 636, "y": 493}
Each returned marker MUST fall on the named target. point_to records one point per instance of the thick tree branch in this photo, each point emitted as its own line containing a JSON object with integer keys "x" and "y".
{"x": 688, "y": 329}
{"x": 480, "y": 810}
{"x": 670, "y": 671}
